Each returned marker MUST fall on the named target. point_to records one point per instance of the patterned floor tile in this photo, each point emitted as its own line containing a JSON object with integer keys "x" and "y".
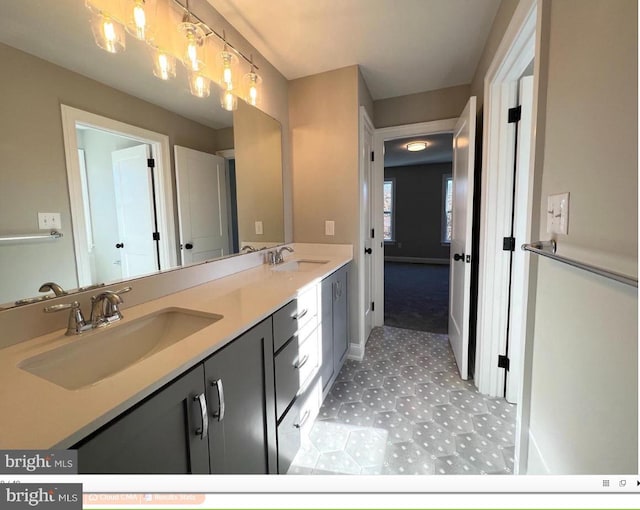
{"x": 434, "y": 438}
{"x": 398, "y": 427}
{"x": 367, "y": 447}
{"x": 403, "y": 409}
{"x": 379, "y": 399}
{"x": 414, "y": 408}
{"x": 407, "y": 458}
{"x": 368, "y": 378}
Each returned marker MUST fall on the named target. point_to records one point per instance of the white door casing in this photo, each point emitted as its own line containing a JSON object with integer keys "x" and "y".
{"x": 369, "y": 243}
{"x": 464, "y": 137}
{"x": 522, "y": 207}
{"x": 202, "y": 205}
{"x": 135, "y": 213}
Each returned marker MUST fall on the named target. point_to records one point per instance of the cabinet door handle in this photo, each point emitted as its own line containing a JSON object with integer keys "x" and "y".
{"x": 339, "y": 283}
{"x": 302, "y": 362}
{"x": 300, "y": 315}
{"x": 220, "y": 389}
{"x": 305, "y": 417}
{"x": 204, "y": 430}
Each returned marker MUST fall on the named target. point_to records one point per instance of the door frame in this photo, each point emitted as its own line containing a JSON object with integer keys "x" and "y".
{"x": 519, "y": 46}
{"x": 71, "y": 117}
{"x": 380, "y": 136}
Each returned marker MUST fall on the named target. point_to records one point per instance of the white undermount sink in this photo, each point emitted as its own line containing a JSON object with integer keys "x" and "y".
{"x": 299, "y": 265}
{"x": 96, "y": 355}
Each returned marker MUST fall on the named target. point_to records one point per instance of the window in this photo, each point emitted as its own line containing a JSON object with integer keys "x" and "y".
{"x": 447, "y": 210}
{"x": 388, "y": 203}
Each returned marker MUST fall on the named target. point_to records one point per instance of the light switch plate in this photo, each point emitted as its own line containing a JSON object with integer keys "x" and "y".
{"x": 329, "y": 228}
{"x": 49, "y": 221}
{"x": 558, "y": 213}
{"x": 259, "y": 228}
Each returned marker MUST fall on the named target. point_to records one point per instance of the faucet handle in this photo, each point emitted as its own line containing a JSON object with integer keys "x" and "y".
{"x": 76, "y": 324}
{"x": 123, "y": 290}
{"x": 62, "y": 306}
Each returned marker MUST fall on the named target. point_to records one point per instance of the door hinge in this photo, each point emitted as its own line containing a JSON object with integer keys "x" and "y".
{"x": 373, "y": 156}
{"x": 373, "y": 233}
{"x": 515, "y": 114}
{"x": 509, "y": 243}
{"x": 503, "y": 362}
{"x": 373, "y": 306}
{"x": 151, "y": 163}
{"x": 156, "y": 236}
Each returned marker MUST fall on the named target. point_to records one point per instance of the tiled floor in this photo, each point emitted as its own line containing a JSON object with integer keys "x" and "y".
{"x": 404, "y": 410}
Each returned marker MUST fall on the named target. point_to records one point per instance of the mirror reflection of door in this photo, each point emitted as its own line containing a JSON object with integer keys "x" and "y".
{"x": 202, "y": 205}
{"x": 118, "y": 205}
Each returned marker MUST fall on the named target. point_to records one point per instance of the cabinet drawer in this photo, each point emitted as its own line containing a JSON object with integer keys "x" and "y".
{"x": 308, "y": 357}
{"x": 308, "y": 306}
{"x": 285, "y": 324}
{"x": 289, "y": 438}
{"x": 286, "y": 376}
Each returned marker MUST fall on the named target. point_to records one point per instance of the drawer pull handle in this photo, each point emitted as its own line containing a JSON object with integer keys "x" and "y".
{"x": 300, "y": 315}
{"x": 220, "y": 389}
{"x": 304, "y": 419}
{"x": 302, "y": 362}
{"x": 204, "y": 430}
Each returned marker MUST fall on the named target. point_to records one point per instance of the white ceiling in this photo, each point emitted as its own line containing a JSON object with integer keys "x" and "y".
{"x": 402, "y": 46}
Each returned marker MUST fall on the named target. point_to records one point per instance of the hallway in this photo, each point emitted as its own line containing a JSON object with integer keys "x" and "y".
{"x": 404, "y": 410}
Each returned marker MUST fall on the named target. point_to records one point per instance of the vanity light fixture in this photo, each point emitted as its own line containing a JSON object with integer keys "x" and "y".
{"x": 174, "y": 33}
{"x": 416, "y": 146}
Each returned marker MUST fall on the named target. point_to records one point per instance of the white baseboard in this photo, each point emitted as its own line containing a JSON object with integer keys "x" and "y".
{"x": 418, "y": 260}
{"x": 356, "y": 352}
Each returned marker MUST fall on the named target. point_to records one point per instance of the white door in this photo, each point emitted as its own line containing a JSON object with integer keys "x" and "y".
{"x": 521, "y": 205}
{"x": 135, "y": 211}
{"x": 202, "y": 205}
{"x": 367, "y": 215}
{"x": 464, "y": 142}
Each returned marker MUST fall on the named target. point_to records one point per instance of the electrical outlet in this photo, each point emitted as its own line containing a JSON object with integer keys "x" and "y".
{"x": 329, "y": 228}
{"x": 259, "y": 228}
{"x": 49, "y": 221}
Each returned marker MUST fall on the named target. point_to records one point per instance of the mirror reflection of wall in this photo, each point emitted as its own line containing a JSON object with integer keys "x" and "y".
{"x": 32, "y": 157}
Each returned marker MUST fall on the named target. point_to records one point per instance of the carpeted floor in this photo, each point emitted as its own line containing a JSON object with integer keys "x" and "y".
{"x": 416, "y": 296}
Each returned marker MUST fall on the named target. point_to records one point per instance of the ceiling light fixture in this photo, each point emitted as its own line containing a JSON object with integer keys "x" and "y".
{"x": 416, "y": 146}
{"x": 173, "y": 33}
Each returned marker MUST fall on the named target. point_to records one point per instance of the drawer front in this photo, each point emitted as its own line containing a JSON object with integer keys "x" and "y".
{"x": 308, "y": 307}
{"x": 285, "y": 324}
{"x": 287, "y": 376}
{"x": 289, "y": 438}
{"x": 308, "y": 356}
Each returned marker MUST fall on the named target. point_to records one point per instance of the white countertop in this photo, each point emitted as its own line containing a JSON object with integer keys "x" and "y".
{"x": 37, "y": 414}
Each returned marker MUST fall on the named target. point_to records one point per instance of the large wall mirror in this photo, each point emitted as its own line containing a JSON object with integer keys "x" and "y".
{"x": 136, "y": 173}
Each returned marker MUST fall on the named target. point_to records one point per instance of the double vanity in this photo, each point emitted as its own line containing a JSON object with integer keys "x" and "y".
{"x": 224, "y": 377}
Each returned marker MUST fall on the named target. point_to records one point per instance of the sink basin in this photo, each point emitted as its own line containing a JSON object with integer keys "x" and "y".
{"x": 299, "y": 265}
{"x": 98, "y": 354}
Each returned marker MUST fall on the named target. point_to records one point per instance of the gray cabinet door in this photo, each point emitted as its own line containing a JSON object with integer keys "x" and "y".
{"x": 240, "y": 393}
{"x": 162, "y": 435}
{"x": 327, "y": 293}
{"x": 340, "y": 317}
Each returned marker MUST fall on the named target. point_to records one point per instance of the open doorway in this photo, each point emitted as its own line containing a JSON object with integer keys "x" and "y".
{"x": 417, "y": 205}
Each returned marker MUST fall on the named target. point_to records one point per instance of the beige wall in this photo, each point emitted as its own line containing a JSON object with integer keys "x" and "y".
{"x": 438, "y": 104}
{"x": 498, "y": 28}
{"x": 583, "y": 386}
{"x": 258, "y": 141}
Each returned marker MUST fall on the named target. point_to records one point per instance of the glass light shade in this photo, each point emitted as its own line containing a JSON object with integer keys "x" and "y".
{"x": 416, "y": 146}
{"x": 228, "y": 100}
{"x": 108, "y": 33}
{"x": 141, "y": 18}
{"x": 228, "y": 65}
{"x": 193, "y": 41}
{"x": 164, "y": 64}
{"x": 199, "y": 85}
{"x": 252, "y": 88}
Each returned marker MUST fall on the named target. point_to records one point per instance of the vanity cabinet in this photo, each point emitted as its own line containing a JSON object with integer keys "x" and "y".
{"x": 335, "y": 324}
{"x": 216, "y": 418}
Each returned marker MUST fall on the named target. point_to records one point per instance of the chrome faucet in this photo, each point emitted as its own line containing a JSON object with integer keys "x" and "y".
{"x": 104, "y": 307}
{"x": 248, "y": 249}
{"x": 278, "y": 257}
{"x": 57, "y": 290}
{"x": 76, "y": 324}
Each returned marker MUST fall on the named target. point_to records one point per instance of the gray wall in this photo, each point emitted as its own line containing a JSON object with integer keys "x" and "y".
{"x": 418, "y": 211}
{"x": 583, "y": 339}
